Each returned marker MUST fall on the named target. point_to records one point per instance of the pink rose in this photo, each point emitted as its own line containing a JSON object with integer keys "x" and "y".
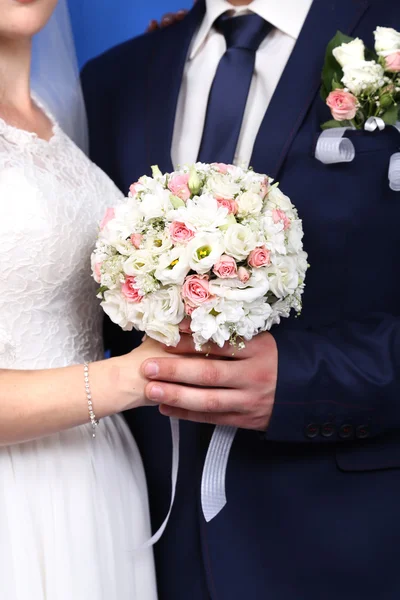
{"x": 129, "y": 290}
{"x": 178, "y": 185}
{"x": 393, "y": 62}
{"x": 97, "y": 272}
{"x": 280, "y": 216}
{"x": 260, "y": 257}
{"x": 110, "y": 214}
{"x": 180, "y": 233}
{"x": 135, "y": 188}
{"x": 184, "y": 325}
{"x": 226, "y": 267}
{"x": 231, "y": 205}
{"x": 195, "y": 290}
{"x": 136, "y": 240}
{"x": 343, "y": 105}
{"x": 243, "y": 275}
{"x": 222, "y": 167}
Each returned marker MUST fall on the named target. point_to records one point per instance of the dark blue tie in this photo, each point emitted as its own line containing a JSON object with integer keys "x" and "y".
{"x": 231, "y": 85}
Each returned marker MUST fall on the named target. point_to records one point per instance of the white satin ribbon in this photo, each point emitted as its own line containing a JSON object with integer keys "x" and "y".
{"x": 394, "y": 168}
{"x": 374, "y": 123}
{"x": 174, "y": 477}
{"x": 333, "y": 148}
{"x": 394, "y": 172}
{"x": 213, "y": 494}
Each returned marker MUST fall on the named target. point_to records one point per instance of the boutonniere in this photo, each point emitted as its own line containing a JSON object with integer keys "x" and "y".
{"x": 361, "y": 87}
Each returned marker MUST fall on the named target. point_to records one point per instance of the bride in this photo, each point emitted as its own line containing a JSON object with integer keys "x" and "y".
{"x": 73, "y": 509}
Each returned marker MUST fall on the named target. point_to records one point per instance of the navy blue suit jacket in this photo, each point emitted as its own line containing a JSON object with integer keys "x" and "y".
{"x": 314, "y": 504}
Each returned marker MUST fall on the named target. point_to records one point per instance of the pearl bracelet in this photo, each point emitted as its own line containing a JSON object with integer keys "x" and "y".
{"x": 92, "y": 416}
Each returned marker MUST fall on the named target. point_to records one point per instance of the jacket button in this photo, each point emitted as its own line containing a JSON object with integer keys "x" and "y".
{"x": 327, "y": 430}
{"x": 312, "y": 430}
{"x": 362, "y": 432}
{"x": 346, "y": 431}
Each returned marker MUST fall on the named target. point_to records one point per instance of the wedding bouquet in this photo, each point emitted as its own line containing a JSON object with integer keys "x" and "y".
{"x": 361, "y": 86}
{"x": 214, "y": 251}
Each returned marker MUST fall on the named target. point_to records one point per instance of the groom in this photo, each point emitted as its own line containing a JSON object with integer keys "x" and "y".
{"x": 313, "y": 481}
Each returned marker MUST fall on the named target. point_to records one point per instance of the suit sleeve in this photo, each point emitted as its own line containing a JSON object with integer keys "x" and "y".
{"x": 337, "y": 383}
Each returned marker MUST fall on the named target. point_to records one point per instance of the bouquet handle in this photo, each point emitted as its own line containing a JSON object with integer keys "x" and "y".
{"x": 213, "y": 493}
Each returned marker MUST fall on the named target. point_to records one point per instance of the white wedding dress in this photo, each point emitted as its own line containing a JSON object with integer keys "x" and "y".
{"x": 73, "y": 509}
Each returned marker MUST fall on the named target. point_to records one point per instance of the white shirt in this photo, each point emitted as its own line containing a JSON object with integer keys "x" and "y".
{"x": 207, "y": 49}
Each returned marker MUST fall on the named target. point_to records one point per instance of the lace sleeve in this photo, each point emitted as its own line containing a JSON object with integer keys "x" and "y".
{"x": 7, "y": 349}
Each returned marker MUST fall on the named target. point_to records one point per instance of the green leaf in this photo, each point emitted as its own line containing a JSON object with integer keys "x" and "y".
{"x": 391, "y": 115}
{"x": 101, "y": 290}
{"x": 331, "y": 124}
{"x": 332, "y": 71}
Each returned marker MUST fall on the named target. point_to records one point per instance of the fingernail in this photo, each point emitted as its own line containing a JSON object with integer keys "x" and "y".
{"x": 151, "y": 369}
{"x": 156, "y": 392}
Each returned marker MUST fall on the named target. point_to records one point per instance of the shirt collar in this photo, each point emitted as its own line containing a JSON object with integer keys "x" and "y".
{"x": 286, "y": 15}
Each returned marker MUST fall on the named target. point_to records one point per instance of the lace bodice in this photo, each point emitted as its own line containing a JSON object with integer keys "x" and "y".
{"x": 52, "y": 198}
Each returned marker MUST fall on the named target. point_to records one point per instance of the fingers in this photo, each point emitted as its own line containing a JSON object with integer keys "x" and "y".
{"x": 152, "y": 26}
{"x": 209, "y": 401}
{"x": 186, "y": 346}
{"x": 167, "y": 20}
{"x": 203, "y": 372}
{"x": 231, "y": 419}
{"x": 170, "y": 18}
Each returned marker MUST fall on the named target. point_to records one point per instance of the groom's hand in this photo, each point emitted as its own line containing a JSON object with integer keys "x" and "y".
{"x": 222, "y": 389}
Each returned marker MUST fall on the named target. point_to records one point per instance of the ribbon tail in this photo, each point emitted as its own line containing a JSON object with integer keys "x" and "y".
{"x": 394, "y": 172}
{"x": 213, "y": 494}
{"x": 333, "y": 148}
{"x": 174, "y": 477}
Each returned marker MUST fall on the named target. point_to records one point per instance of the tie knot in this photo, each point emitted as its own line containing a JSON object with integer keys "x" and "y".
{"x": 247, "y": 31}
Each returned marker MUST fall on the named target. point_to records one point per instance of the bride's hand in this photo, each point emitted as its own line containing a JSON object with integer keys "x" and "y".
{"x": 127, "y": 375}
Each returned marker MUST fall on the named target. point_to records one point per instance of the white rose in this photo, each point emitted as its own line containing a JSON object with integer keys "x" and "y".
{"x": 295, "y": 235}
{"x": 387, "y": 41}
{"x": 239, "y": 241}
{"x": 201, "y": 214}
{"x": 236, "y": 291}
{"x": 364, "y": 76}
{"x": 274, "y": 235}
{"x": 126, "y": 220}
{"x": 283, "y": 276}
{"x": 276, "y": 199}
{"x": 249, "y": 203}
{"x": 348, "y": 54}
{"x": 162, "y": 332}
{"x": 222, "y": 186}
{"x": 156, "y": 204}
{"x": 173, "y": 267}
{"x": 166, "y": 305}
{"x": 121, "y": 312}
{"x": 257, "y": 315}
{"x": 302, "y": 263}
{"x": 204, "y": 251}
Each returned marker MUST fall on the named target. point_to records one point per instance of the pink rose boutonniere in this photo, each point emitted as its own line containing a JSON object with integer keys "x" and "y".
{"x": 361, "y": 86}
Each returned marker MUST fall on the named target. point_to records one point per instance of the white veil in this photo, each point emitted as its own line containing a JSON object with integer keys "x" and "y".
{"x": 55, "y": 75}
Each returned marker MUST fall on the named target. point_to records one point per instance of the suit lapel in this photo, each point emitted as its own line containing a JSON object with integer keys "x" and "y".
{"x": 164, "y": 82}
{"x": 301, "y": 80}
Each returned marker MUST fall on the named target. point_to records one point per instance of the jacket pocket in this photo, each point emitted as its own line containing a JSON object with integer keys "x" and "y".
{"x": 377, "y": 454}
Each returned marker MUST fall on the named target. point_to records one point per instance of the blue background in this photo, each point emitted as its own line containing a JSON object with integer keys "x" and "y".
{"x": 97, "y": 29}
